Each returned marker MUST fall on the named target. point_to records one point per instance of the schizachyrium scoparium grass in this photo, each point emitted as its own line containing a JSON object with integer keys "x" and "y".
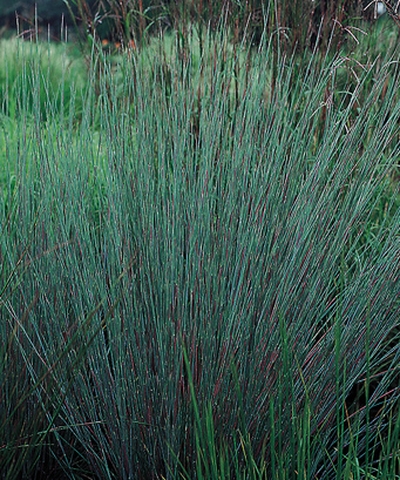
{"x": 200, "y": 279}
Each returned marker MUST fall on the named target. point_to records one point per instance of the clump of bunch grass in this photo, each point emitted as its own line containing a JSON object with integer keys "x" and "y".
{"x": 205, "y": 292}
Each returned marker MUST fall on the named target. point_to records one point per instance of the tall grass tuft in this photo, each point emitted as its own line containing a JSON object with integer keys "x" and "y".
{"x": 200, "y": 278}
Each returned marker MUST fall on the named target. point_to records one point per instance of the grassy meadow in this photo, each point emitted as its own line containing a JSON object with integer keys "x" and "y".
{"x": 199, "y": 260}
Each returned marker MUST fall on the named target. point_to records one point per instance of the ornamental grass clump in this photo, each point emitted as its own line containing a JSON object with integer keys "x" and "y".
{"x": 205, "y": 286}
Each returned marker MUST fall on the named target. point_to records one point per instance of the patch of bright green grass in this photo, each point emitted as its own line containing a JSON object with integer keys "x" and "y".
{"x": 39, "y": 77}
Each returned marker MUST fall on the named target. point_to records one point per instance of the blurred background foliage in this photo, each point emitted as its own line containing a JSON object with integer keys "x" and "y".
{"x": 297, "y": 24}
